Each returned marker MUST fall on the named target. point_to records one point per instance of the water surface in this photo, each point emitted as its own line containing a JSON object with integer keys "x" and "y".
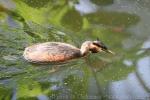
{"x": 123, "y": 25}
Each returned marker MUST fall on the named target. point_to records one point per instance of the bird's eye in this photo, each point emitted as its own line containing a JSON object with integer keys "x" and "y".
{"x": 100, "y": 44}
{"x": 97, "y": 44}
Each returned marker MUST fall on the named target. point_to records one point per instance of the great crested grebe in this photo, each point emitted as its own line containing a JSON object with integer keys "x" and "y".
{"x": 59, "y": 52}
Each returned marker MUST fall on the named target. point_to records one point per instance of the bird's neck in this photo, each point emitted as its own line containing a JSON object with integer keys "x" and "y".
{"x": 85, "y": 48}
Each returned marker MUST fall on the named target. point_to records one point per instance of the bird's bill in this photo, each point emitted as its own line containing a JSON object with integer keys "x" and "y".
{"x": 109, "y": 51}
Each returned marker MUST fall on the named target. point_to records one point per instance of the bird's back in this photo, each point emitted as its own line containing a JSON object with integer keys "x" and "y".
{"x": 51, "y": 52}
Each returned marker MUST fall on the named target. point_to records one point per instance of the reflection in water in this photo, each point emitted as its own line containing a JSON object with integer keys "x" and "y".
{"x": 141, "y": 30}
{"x": 143, "y": 70}
{"x": 36, "y": 3}
{"x": 128, "y": 63}
{"x": 145, "y": 47}
{"x": 118, "y": 91}
{"x": 67, "y": 20}
{"x": 85, "y": 6}
{"x": 10, "y": 57}
{"x": 129, "y": 89}
{"x": 123, "y": 21}
{"x": 8, "y": 3}
{"x": 54, "y": 87}
{"x": 119, "y": 20}
{"x": 5, "y": 93}
{"x": 102, "y": 2}
{"x": 42, "y": 97}
{"x": 146, "y": 44}
{"x": 136, "y": 85}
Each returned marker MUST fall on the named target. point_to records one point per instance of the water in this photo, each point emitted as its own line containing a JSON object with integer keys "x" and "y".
{"x": 123, "y": 25}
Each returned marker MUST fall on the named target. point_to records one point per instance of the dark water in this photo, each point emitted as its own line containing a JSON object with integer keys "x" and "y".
{"x": 121, "y": 24}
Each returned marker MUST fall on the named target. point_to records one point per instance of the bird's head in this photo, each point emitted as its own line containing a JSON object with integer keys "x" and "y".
{"x": 98, "y": 46}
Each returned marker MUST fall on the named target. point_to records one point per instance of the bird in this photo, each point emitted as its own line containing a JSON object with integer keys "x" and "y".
{"x": 50, "y": 52}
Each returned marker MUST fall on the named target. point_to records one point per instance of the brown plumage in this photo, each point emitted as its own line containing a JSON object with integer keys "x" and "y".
{"x": 60, "y": 52}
